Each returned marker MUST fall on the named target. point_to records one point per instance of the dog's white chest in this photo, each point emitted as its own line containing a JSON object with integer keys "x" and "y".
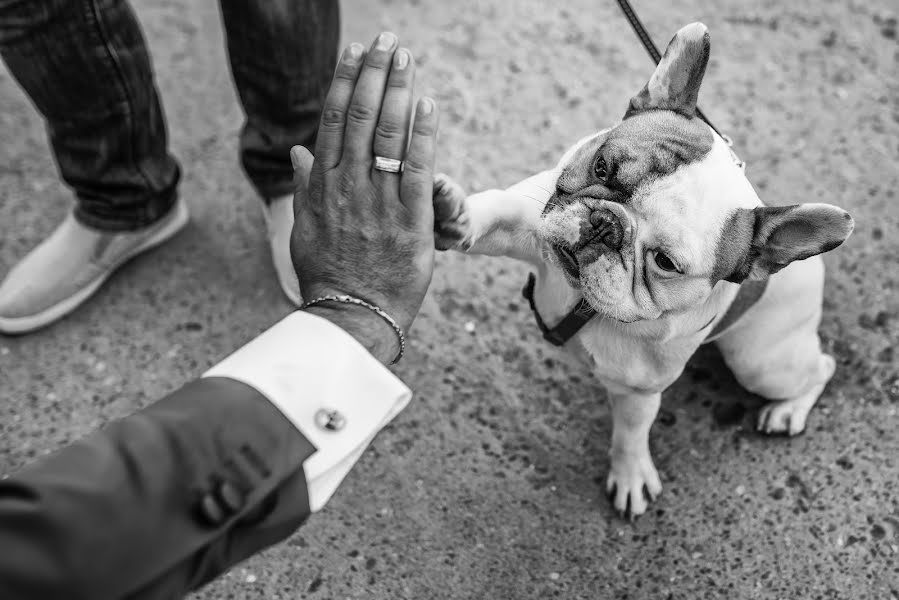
{"x": 636, "y": 362}
{"x": 624, "y": 354}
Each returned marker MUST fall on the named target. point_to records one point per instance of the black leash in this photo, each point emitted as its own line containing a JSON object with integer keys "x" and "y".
{"x": 654, "y": 53}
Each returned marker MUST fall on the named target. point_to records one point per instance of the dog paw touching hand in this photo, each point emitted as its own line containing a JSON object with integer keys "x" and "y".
{"x": 632, "y": 483}
{"x": 452, "y": 227}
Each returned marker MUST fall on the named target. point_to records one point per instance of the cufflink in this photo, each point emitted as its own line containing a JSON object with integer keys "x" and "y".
{"x": 329, "y": 420}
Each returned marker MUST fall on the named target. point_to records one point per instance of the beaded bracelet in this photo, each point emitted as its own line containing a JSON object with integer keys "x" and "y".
{"x": 377, "y": 310}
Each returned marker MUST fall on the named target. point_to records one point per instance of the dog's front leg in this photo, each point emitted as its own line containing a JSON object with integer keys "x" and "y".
{"x": 633, "y": 480}
{"x": 493, "y": 222}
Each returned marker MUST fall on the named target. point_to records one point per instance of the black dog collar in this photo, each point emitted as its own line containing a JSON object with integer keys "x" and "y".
{"x": 570, "y": 323}
{"x": 580, "y": 315}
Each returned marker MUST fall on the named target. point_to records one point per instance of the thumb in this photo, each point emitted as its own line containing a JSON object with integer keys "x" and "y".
{"x": 302, "y": 161}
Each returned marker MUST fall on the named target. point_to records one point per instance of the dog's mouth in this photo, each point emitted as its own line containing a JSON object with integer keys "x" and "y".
{"x": 602, "y": 232}
{"x": 568, "y": 259}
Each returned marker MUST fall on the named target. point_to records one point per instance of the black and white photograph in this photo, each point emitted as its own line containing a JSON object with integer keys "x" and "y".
{"x": 470, "y": 300}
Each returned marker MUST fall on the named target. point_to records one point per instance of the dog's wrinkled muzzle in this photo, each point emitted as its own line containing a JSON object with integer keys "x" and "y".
{"x": 603, "y": 233}
{"x": 607, "y": 230}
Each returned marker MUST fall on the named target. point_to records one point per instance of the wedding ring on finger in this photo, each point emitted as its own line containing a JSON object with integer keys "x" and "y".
{"x": 388, "y": 165}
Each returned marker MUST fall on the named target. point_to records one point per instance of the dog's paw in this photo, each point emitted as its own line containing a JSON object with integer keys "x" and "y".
{"x": 789, "y": 416}
{"x": 632, "y": 483}
{"x": 452, "y": 227}
{"x": 785, "y": 416}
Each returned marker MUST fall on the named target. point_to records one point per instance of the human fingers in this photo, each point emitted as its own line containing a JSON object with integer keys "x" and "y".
{"x": 302, "y": 161}
{"x": 417, "y": 184}
{"x": 392, "y": 131}
{"x": 329, "y": 144}
{"x": 365, "y": 106}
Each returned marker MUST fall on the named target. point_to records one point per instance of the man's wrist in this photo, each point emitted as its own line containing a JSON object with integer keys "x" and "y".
{"x": 366, "y": 326}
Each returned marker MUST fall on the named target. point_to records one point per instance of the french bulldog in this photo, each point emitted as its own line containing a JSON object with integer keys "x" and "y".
{"x": 654, "y": 224}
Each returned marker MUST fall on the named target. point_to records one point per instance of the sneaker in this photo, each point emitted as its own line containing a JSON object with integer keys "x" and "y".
{"x": 279, "y": 223}
{"x": 70, "y": 265}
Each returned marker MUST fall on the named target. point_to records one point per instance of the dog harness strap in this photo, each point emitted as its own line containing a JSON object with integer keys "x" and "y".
{"x": 748, "y": 294}
{"x": 568, "y": 326}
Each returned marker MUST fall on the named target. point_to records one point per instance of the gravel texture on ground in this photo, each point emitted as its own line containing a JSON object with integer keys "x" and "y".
{"x": 490, "y": 485}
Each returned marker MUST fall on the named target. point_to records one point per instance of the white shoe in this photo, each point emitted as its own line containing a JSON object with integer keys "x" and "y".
{"x": 70, "y": 266}
{"x": 279, "y": 223}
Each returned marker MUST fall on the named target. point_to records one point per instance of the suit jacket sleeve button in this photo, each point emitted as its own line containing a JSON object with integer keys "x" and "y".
{"x": 211, "y": 510}
{"x": 231, "y": 498}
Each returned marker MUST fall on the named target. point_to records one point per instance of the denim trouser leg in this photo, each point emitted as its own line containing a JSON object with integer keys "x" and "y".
{"x": 85, "y": 66}
{"x": 283, "y": 54}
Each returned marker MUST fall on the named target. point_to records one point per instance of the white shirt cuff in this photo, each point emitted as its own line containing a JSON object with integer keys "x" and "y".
{"x": 305, "y": 364}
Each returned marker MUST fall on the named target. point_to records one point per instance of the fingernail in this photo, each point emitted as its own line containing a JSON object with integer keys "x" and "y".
{"x": 401, "y": 59}
{"x": 386, "y": 41}
{"x": 295, "y": 156}
{"x": 425, "y": 106}
{"x": 353, "y": 53}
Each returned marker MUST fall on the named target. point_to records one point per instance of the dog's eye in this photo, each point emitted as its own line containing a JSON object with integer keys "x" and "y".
{"x": 665, "y": 263}
{"x": 600, "y": 169}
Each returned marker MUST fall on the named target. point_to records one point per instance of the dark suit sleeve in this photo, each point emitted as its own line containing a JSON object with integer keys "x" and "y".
{"x": 157, "y": 503}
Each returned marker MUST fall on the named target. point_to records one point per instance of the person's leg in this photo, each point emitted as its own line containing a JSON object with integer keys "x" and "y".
{"x": 283, "y": 54}
{"x": 85, "y": 66}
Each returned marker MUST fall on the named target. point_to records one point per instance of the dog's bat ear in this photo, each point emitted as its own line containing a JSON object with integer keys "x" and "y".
{"x": 779, "y": 235}
{"x": 675, "y": 83}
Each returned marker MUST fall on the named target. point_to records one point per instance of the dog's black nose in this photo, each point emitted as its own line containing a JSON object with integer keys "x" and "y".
{"x": 607, "y": 228}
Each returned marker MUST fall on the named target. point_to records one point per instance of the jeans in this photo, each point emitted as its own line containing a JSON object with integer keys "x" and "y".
{"x": 85, "y": 66}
